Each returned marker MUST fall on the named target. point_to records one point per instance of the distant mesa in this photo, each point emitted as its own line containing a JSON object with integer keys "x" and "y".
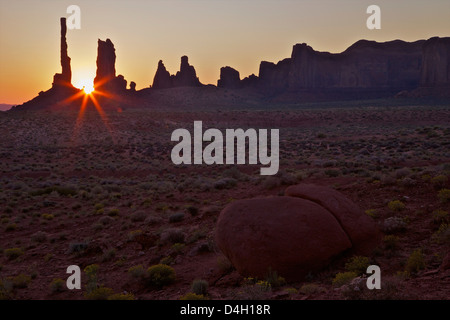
{"x": 366, "y": 70}
{"x": 229, "y": 78}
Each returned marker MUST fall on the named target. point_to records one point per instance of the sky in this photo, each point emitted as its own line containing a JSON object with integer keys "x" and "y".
{"x": 212, "y": 33}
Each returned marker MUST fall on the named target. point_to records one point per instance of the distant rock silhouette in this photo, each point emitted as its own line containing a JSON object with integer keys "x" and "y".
{"x": 435, "y": 70}
{"x": 65, "y": 77}
{"x": 229, "y": 78}
{"x": 394, "y": 65}
{"x": 162, "y": 79}
{"x": 366, "y": 70}
{"x": 105, "y": 79}
{"x": 186, "y": 77}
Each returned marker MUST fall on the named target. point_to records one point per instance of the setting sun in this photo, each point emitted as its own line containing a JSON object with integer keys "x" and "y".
{"x": 86, "y": 85}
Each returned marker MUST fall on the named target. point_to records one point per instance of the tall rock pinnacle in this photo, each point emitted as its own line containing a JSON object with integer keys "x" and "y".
{"x": 106, "y": 78}
{"x": 65, "y": 77}
{"x": 106, "y": 60}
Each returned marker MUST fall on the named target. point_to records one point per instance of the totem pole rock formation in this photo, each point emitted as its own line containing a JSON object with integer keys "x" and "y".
{"x": 65, "y": 77}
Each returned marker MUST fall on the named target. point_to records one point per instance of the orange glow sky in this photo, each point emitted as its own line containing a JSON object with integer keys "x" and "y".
{"x": 212, "y": 33}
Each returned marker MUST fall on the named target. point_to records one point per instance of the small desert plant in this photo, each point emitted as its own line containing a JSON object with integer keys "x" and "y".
{"x": 274, "y": 280}
{"x": 444, "y": 195}
{"x": 101, "y": 293}
{"x": 344, "y": 278}
{"x": 13, "y": 253}
{"x": 390, "y": 242}
{"x": 440, "y": 216}
{"x": 357, "y": 264}
{"x": 121, "y": 296}
{"x": 192, "y": 210}
{"x": 21, "y": 281}
{"x": 416, "y": 262}
{"x": 137, "y": 272}
{"x": 371, "y": 213}
{"x": 113, "y": 212}
{"x": 39, "y": 236}
{"x": 176, "y": 217}
{"x": 160, "y": 275}
{"x": 192, "y": 296}
{"x": 396, "y": 205}
{"x": 310, "y": 288}
{"x": 57, "y": 285}
{"x": 439, "y": 181}
{"x": 200, "y": 287}
{"x": 442, "y": 235}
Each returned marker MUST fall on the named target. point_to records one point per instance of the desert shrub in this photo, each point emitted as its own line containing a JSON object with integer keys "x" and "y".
{"x": 444, "y": 195}
{"x": 394, "y": 224}
{"x": 121, "y": 296}
{"x": 225, "y": 183}
{"x": 416, "y": 262}
{"x": 402, "y": 173}
{"x": 343, "y": 278}
{"x": 192, "y": 296}
{"x": 396, "y": 205}
{"x": 100, "y": 293}
{"x": 137, "y": 272}
{"x": 274, "y": 280}
{"x": 13, "y": 253}
{"x": 172, "y": 236}
{"x": 105, "y": 220}
{"x": 291, "y": 290}
{"x": 113, "y": 212}
{"x": 224, "y": 264}
{"x": 270, "y": 183}
{"x": 387, "y": 180}
{"x": 57, "y": 285}
{"x": 160, "y": 275}
{"x": 439, "y": 181}
{"x": 321, "y": 135}
{"x": 138, "y": 216}
{"x": 6, "y": 289}
{"x": 310, "y": 288}
{"x": 440, "y": 216}
{"x": 10, "y": 227}
{"x": 442, "y": 235}
{"x": 176, "y": 217}
{"x": 357, "y": 264}
{"x": 92, "y": 279}
{"x": 371, "y": 213}
{"x": 332, "y": 173}
{"x": 21, "y": 281}
{"x": 109, "y": 255}
{"x": 78, "y": 247}
{"x": 133, "y": 234}
{"x": 199, "y": 287}
{"x": 390, "y": 242}
{"x": 39, "y": 236}
{"x": 192, "y": 210}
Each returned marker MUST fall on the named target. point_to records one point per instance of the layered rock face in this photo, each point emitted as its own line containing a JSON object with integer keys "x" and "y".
{"x": 105, "y": 78}
{"x": 186, "y": 77}
{"x": 436, "y": 63}
{"x": 364, "y": 65}
{"x": 65, "y": 77}
{"x": 229, "y": 78}
{"x": 295, "y": 234}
